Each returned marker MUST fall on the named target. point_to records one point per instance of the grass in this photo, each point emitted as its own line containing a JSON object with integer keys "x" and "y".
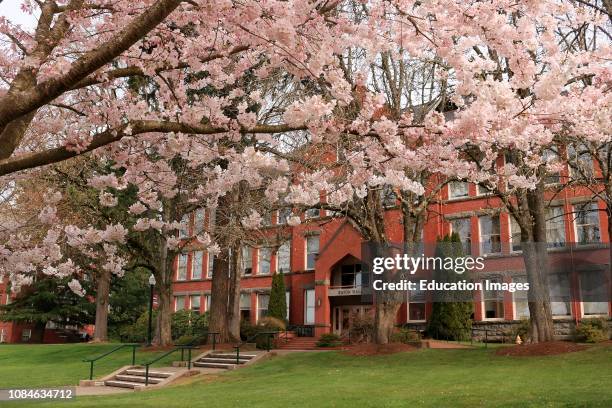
{"x": 425, "y": 378}
{"x": 62, "y": 364}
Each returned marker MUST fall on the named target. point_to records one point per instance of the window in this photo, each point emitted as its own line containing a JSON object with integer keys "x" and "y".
{"x": 245, "y": 307}
{"x": 551, "y": 157}
{"x": 309, "y": 306}
{"x": 490, "y": 238}
{"x": 211, "y": 265}
{"x": 388, "y": 197}
{"x": 184, "y": 229}
{"x": 283, "y": 257}
{"x": 179, "y": 303}
{"x": 463, "y": 227}
{"x": 182, "y": 267}
{"x": 283, "y": 215}
{"x": 287, "y": 302}
{"x": 482, "y": 190}
{"x": 264, "y": 261}
{"x": 312, "y": 249}
{"x": 267, "y": 219}
{"x": 559, "y": 294}
{"x": 587, "y": 223}
{"x": 194, "y": 303}
{"x": 580, "y": 161}
{"x": 313, "y": 213}
{"x": 2, "y": 336}
{"x": 197, "y": 264}
{"x": 350, "y": 276}
{"x": 493, "y": 302}
{"x": 458, "y": 189}
{"x": 416, "y": 305}
{"x": 555, "y": 227}
{"x": 212, "y": 219}
{"x": 207, "y": 299}
{"x": 515, "y": 235}
{"x": 262, "y": 306}
{"x": 247, "y": 260}
{"x": 26, "y": 335}
{"x": 594, "y": 293}
{"x": 198, "y": 224}
{"x": 521, "y": 300}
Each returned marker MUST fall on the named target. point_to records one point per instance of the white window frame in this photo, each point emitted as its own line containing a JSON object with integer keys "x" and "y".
{"x": 278, "y": 258}
{"x": 247, "y": 265}
{"x": 569, "y": 295}
{"x": 178, "y": 267}
{"x": 480, "y": 235}
{"x": 191, "y": 302}
{"x": 259, "y": 308}
{"x": 306, "y": 253}
{"x": 307, "y": 307}
{"x": 467, "y": 245}
{"x": 176, "y": 303}
{"x": 210, "y": 263}
{"x": 424, "y": 302}
{"x": 484, "y": 300}
{"x": 595, "y": 208}
{"x": 588, "y": 316}
{"x": 260, "y": 258}
{"x": 515, "y": 315}
{"x": 555, "y": 220}
{"x": 452, "y": 196}
{"x": 512, "y": 223}
{"x": 194, "y": 256}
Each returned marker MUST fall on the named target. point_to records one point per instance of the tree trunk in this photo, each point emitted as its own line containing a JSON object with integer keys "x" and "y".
{"x": 233, "y": 301}
{"x": 163, "y": 329}
{"x": 218, "y": 318}
{"x": 535, "y": 255}
{"x": 102, "y": 295}
{"x": 384, "y": 321}
{"x": 163, "y": 288}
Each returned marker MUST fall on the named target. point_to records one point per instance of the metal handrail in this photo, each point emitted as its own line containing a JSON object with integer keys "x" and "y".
{"x": 92, "y": 360}
{"x": 156, "y": 359}
{"x": 270, "y": 334}
{"x": 205, "y": 335}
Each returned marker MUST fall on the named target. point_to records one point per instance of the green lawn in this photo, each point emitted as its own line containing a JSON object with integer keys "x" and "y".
{"x": 431, "y": 378}
{"x": 61, "y": 364}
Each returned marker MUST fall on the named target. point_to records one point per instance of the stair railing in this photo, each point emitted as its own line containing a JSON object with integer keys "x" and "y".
{"x": 91, "y": 361}
{"x": 166, "y": 354}
{"x": 205, "y": 336}
{"x": 269, "y": 335}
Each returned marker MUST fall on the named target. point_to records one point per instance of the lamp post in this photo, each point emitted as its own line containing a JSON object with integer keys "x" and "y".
{"x": 151, "y": 286}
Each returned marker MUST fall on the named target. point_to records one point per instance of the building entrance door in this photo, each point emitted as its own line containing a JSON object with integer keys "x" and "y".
{"x": 344, "y": 316}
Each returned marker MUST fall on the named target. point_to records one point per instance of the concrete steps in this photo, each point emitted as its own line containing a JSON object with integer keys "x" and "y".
{"x": 223, "y": 360}
{"x": 135, "y": 378}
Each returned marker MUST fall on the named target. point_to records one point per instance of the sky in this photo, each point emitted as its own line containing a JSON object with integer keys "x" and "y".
{"x": 11, "y": 9}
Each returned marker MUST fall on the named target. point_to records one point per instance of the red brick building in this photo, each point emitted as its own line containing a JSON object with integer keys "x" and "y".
{"x": 321, "y": 262}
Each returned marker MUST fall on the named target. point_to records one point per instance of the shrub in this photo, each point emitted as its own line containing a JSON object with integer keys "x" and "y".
{"x": 593, "y": 330}
{"x": 137, "y": 332}
{"x": 187, "y": 340}
{"x": 266, "y": 324}
{"x": 522, "y": 329}
{"x": 277, "y": 306}
{"x": 272, "y": 323}
{"x": 187, "y": 322}
{"x": 329, "y": 340}
{"x": 406, "y": 336}
{"x": 362, "y": 330}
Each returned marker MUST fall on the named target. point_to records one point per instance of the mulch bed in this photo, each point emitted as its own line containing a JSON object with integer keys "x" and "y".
{"x": 548, "y": 348}
{"x": 369, "y": 349}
